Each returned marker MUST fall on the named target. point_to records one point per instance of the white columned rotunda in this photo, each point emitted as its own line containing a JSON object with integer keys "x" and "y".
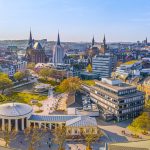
{"x": 15, "y": 115}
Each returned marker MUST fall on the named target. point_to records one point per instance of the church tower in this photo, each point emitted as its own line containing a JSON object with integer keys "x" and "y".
{"x": 146, "y": 41}
{"x": 35, "y": 52}
{"x": 103, "y": 48}
{"x": 58, "y": 52}
{"x": 31, "y": 41}
{"x": 93, "y": 42}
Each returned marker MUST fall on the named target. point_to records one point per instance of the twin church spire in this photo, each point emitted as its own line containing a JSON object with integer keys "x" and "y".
{"x": 104, "y": 41}
{"x": 31, "y": 40}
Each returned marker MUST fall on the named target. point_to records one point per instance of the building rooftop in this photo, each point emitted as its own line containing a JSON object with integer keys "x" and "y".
{"x": 14, "y": 109}
{"x": 116, "y": 96}
{"x": 52, "y": 118}
{"x": 37, "y": 46}
{"x": 114, "y": 84}
{"x": 81, "y": 121}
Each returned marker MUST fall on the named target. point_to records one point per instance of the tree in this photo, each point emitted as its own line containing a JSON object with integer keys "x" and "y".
{"x": 45, "y": 73}
{"x": 39, "y": 105}
{"x": 141, "y": 123}
{"x": 89, "y": 68}
{"x": 27, "y": 74}
{"x": 3, "y": 75}
{"x": 91, "y": 136}
{"x": 3, "y": 98}
{"x": 59, "y": 138}
{"x": 31, "y": 66}
{"x": 57, "y": 74}
{"x": 33, "y": 136}
{"x": 5, "y": 83}
{"x": 19, "y": 76}
{"x": 8, "y": 136}
{"x": 71, "y": 85}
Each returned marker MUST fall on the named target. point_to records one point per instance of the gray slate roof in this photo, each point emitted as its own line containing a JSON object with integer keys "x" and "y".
{"x": 52, "y": 118}
{"x": 14, "y": 109}
{"x": 71, "y": 120}
{"x": 81, "y": 121}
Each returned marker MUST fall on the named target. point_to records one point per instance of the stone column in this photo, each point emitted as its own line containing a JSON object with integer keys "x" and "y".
{"x": 3, "y": 124}
{"x": 50, "y": 126}
{"x": 60, "y": 125}
{"x": 16, "y": 124}
{"x": 39, "y": 125}
{"x": 22, "y": 124}
{"x": 9, "y": 124}
{"x": 28, "y": 123}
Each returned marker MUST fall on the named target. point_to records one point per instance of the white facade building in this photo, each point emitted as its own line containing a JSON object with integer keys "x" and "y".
{"x": 19, "y": 116}
{"x": 58, "y": 53}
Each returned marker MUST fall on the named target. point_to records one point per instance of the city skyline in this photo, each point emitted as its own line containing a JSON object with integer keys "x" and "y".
{"x": 120, "y": 21}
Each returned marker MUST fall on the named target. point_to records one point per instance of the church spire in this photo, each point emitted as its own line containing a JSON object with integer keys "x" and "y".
{"x": 93, "y": 41}
{"x": 146, "y": 41}
{"x": 58, "y": 39}
{"x": 104, "y": 40}
{"x": 104, "y": 45}
{"x": 30, "y": 42}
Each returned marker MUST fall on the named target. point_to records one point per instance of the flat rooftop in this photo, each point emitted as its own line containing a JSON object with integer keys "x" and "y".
{"x": 114, "y": 84}
{"x": 138, "y": 93}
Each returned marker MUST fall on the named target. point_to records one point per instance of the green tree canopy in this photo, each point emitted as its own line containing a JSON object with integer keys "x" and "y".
{"x": 70, "y": 85}
{"x": 31, "y": 66}
{"x": 3, "y": 75}
{"x": 26, "y": 74}
{"x": 141, "y": 123}
{"x": 45, "y": 73}
{"x": 5, "y": 83}
{"x": 19, "y": 76}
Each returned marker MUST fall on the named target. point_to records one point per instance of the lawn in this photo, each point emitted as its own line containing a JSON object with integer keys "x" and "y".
{"x": 57, "y": 89}
{"x": 25, "y": 97}
{"x": 51, "y": 82}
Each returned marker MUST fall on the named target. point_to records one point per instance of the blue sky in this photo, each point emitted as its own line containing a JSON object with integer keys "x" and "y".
{"x": 77, "y": 20}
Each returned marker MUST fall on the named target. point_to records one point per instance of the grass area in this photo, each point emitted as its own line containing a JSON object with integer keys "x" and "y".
{"x": 22, "y": 97}
{"x": 141, "y": 124}
{"x": 39, "y": 111}
{"x": 51, "y": 82}
{"x": 58, "y": 90}
{"x": 89, "y": 82}
{"x": 130, "y": 62}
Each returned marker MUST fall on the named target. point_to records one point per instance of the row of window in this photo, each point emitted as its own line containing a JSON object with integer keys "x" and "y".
{"x": 126, "y": 91}
{"x": 132, "y": 99}
{"x": 131, "y": 109}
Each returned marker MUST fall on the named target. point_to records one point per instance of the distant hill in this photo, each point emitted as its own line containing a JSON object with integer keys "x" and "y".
{"x": 22, "y": 44}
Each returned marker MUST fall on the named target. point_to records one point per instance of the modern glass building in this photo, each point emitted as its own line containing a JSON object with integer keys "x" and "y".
{"x": 102, "y": 65}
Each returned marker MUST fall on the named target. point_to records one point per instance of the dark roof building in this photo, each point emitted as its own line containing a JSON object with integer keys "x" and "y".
{"x": 35, "y": 52}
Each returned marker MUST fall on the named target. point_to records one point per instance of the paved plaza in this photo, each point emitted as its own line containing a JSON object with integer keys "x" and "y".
{"x": 113, "y": 131}
{"x": 21, "y": 144}
{"x": 49, "y": 105}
